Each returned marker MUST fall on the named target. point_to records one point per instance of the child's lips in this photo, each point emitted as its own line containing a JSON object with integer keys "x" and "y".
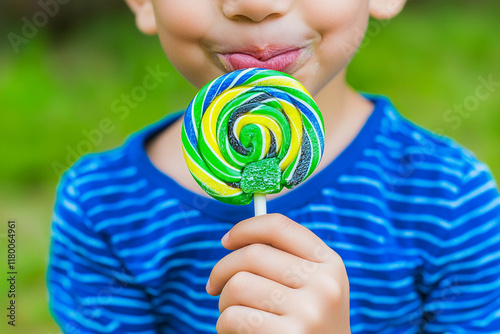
{"x": 283, "y": 61}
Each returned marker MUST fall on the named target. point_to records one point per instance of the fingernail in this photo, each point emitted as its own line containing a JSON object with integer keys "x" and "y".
{"x": 208, "y": 285}
{"x": 225, "y": 237}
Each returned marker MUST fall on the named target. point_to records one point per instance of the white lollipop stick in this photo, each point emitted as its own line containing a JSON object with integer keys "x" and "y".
{"x": 260, "y": 204}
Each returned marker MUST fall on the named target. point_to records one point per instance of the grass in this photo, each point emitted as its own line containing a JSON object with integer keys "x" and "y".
{"x": 55, "y": 91}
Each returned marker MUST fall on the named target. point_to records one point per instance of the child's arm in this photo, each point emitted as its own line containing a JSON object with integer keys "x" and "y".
{"x": 281, "y": 278}
{"x": 90, "y": 291}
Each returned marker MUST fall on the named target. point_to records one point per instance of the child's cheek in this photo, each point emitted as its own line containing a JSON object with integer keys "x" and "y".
{"x": 184, "y": 19}
{"x": 328, "y": 16}
{"x": 342, "y": 25}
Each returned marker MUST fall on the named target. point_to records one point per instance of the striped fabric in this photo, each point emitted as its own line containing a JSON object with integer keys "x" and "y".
{"x": 416, "y": 219}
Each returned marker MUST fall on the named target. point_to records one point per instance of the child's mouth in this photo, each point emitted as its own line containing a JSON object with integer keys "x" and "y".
{"x": 283, "y": 61}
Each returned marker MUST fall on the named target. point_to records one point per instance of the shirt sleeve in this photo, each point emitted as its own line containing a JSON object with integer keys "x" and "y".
{"x": 463, "y": 282}
{"x": 89, "y": 289}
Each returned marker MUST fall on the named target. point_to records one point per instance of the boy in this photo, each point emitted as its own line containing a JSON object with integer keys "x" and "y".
{"x": 396, "y": 232}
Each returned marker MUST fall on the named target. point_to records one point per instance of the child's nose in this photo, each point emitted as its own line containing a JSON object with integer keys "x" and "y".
{"x": 255, "y": 10}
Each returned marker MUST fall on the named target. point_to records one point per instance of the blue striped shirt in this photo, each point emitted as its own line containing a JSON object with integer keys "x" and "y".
{"x": 415, "y": 218}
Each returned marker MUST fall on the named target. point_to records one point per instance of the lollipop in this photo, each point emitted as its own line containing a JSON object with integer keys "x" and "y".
{"x": 252, "y": 132}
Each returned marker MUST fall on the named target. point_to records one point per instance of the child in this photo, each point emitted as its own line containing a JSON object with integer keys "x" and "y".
{"x": 396, "y": 232}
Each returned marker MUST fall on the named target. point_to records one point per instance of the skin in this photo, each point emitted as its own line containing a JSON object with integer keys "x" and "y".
{"x": 280, "y": 277}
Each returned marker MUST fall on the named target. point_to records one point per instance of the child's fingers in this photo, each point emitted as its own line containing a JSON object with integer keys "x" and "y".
{"x": 281, "y": 232}
{"x": 262, "y": 260}
{"x": 257, "y": 292}
{"x": 239, "y": 319}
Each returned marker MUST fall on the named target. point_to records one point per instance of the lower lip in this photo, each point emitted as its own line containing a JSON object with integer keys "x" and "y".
{"x": 281, "y": 62}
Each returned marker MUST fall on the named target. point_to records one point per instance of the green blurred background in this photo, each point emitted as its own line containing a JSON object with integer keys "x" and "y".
{"x": 58, "y": 85}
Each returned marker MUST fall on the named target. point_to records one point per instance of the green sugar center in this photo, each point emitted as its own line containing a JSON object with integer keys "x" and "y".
{"x": 261, "y": 177}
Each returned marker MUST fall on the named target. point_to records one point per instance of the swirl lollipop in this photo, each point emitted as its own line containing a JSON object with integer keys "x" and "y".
{"x": 252, "y": 132}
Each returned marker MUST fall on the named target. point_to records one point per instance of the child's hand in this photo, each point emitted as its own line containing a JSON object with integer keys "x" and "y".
{"x": 297, "y": 285}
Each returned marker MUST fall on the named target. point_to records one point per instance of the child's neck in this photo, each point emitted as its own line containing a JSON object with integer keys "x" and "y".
{"x": 344, "y": 112}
